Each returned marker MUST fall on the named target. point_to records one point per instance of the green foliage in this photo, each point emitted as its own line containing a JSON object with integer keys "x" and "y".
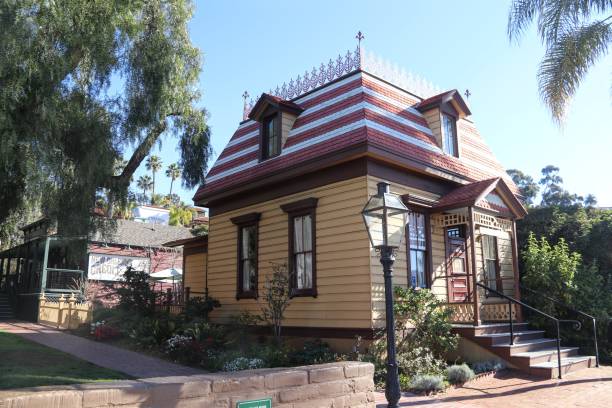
{"x": 277, "y": 298}
{"x": 82, "y": 81}
{"x": 200, "y": 307}
{"x": 136, "y": 294}
{"x": 459, "y": 374}
{"x": 181, "y": 215}
{"x": 427, "y": 384}
{"x": 313, "y": 352}
{"x": 576, "y": 34}
{"x": 527, "y": 186}
{"x": 488, "y": 366}
{"x": 419, "y": 360}
{"x": 150, "y": 332}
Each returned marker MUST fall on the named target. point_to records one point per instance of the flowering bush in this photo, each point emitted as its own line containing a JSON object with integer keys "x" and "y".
{"x": 93, "y": 326}
{"x": 243, "y": 363}
{"x": 177, "y": 342}
{"x": 103, "y": 331}
{"x": 184, "y": 348}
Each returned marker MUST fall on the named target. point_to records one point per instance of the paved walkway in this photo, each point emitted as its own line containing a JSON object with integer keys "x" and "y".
{"x": 590, "y": 388}
{"x": 129, "y": 362}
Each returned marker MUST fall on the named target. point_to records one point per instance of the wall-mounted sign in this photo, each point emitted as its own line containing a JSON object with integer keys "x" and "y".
{"x": 260, "y": 403}
{"x": 112, "y": 267}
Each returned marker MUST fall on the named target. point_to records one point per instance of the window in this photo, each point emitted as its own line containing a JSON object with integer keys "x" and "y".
{"x": 247, "y": 255}
{"x": 417, "y": 247}
{"x": 491, "y": 263}
{"x": 455, "y": 232}
{"x": 302, "y": 247}
{"x": 449, "y": 131}
{"x": 271, "y": 138}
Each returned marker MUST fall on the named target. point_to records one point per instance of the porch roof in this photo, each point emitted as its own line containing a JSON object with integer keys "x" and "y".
{"x": 474, "y": 193}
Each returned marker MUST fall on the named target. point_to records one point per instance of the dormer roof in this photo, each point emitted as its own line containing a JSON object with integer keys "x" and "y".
{"x": 267, "y": 101}
{"x": 452, "y": 97}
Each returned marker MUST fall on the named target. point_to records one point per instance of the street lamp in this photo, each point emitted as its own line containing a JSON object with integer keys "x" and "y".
{"x": 385, "y": 217}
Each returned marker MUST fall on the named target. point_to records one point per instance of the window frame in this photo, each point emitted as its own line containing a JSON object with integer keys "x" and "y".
{"x": 298, "y": 209}
{"x": 444, "y": 113}
{"x": 498, "y": 282}
{"x": 426, "y": 251}
{"x": 265, "y": 136}
{"x": 241, "y": 222}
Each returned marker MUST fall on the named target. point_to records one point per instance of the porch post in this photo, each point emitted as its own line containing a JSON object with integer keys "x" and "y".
{"x": 515, "y": 268}
{"x": 43, "y": 279}
{"x": 474, "y": 270}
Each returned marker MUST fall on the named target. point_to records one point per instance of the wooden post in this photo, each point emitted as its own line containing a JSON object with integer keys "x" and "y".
{"x": 43, "y": 279}
{"x": 187, "y": 292}
{"x": 474, "y": 270}
{"x": 168, "y": 298}
{"x": 60, "y": 311}
{"x": 515, "y": 268}
{"x": 71, "y": 304}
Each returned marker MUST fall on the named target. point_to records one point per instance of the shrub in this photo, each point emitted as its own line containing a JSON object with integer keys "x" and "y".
{"x": 184, "y": 349}
{"x": 277, "y": 298}
{"x": 459, "y": 374}
{"x": 488, "y": 366}
{"x": 150, "y": 332}
{"x": 135, "y": 294}
{"x": 243, "y": 363}
{"x": 273, "y": 355}
{"x": 313, "y": 352}
{"x": 427, "y": 383}
{"x": 419, "y": 361}
{"x": 200, "y": 307}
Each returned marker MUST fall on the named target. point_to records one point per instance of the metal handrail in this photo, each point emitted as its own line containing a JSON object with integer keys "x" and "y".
{"x": 568, "y": 307}
{"x": 518, "y": 302}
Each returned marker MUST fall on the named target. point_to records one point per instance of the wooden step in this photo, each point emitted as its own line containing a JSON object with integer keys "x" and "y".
{"x": 504, "y": 337}
{"x": 550, "y": 369}
{"x": 523, "y": 346}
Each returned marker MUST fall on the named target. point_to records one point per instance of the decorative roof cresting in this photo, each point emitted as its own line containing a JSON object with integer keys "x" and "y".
{"x": 352, "y": 61}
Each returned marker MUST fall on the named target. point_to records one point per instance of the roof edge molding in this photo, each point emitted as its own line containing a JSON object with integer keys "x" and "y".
{"x": 266, "y": 101}
{"x": 452, "y": 97}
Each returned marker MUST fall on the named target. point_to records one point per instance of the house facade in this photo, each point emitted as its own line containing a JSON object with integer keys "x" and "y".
{"x": 290, "y": 185}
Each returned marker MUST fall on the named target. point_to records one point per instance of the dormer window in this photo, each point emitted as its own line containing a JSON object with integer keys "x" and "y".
{"x": 276, "y": 117}
{"x": 449, "y": 130}
{"x": 270, "y": 138}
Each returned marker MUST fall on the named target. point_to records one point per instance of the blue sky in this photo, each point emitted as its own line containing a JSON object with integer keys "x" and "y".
{"x": 256, "y": 45}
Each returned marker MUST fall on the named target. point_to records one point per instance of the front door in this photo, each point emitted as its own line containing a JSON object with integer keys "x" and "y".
{"x": 456, "y": 264}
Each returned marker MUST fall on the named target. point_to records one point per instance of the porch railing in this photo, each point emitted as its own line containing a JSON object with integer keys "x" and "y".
{"x": 556, "y": 321}
{"x": 571, "y": 309}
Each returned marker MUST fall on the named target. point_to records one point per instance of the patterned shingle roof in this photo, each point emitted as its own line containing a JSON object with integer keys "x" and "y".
{"x": 143, "y": 234}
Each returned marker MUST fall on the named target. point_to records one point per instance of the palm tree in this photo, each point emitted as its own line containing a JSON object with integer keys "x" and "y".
{"x": 181, "y": 215}
{"x": 173, "y": 171}
{"x": 575, "y": 38}
{"x": 145, "y": 183}
{"x": 154, "y": 163}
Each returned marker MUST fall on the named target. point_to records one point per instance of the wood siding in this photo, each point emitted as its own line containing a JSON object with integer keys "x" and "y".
{"x": 504, "y": 253}
{"x": 400, "y": 267}
{"x": 195, "y": 272}
{"x": 434, "y": 122}
{"x": 342, "y": 245}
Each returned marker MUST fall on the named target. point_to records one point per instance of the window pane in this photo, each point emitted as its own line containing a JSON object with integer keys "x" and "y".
{"x": 449, "y": 134}
{"x": 299, "y": 270}
{"x": 307, "y": 284}
{"x": 420, "y": 269}
{"x": 246, "y": 275}
{"x": 307, "y": 232}
{"x": 413, "y": 267}
{"x": 298, "y": 236}
{"x": 490, "y": 273}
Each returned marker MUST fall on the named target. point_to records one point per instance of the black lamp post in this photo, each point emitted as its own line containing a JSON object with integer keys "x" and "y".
{"x": 385, "y": 217}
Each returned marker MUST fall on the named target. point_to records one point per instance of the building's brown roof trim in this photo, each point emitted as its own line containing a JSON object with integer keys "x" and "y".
{"x": 444, "y": 97}
{"x": 180, "y": 242}
{"x": 266, "y": 100}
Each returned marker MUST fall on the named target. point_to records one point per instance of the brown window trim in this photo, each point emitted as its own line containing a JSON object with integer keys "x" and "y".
{"x": 264, "y": 137}
{"x": 296, "y": 209}
{"x": 428, "y": 258}
{"x": 498, "y": 280}
{"x": 246, "y": 220}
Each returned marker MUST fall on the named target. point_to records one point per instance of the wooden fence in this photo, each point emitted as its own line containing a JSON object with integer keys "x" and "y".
{"x": 63, "y": 312}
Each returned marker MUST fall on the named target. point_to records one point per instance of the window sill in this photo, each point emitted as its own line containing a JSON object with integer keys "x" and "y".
{"x": 246, "y": 295}
{"x": 303, "y": 293}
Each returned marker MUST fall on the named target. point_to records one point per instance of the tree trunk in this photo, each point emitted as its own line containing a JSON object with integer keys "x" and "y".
{"x": 171, "y": 182}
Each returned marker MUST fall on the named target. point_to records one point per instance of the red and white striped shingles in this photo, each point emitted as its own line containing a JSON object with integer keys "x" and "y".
{"x": 356, "y": 109}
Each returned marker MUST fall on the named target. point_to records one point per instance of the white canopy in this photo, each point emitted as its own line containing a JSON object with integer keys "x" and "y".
{"x": 171, "y": 273}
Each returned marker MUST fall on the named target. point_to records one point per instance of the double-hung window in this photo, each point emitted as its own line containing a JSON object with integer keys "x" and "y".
{"x": 271, "y": 138}
{"x": 449, "y": 130}
{"x": 247, "y": 255}
{"x": 417, "y": 247}
{"x": 302, "y": 247}
{"x": 491, "y": 263}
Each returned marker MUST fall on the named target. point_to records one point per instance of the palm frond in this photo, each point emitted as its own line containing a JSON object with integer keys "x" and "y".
{"x": 567, "y": 61}
{"x": 521, "y": 15}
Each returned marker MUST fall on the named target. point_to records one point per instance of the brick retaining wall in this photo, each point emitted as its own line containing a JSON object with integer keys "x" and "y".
{"x": 335, "y": 385}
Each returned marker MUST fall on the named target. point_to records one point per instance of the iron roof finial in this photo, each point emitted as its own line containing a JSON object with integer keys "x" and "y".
{"x": 245, "y": 108}
{"x": 467, "y": 94}
{"x": 359, "y": 37}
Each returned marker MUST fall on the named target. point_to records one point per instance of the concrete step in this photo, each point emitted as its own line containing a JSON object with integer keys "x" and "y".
{"x": 550, "y": 369}
{"x": 530, "y": 358}
{"x": 528, "y": 345}
{"x": 504, "y": 337}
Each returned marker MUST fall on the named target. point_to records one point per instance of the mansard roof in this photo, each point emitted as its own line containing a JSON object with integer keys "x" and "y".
{"x": 355, "y": 114}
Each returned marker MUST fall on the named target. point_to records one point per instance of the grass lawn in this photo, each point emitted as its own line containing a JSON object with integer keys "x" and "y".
{"x": 27, "y": 364}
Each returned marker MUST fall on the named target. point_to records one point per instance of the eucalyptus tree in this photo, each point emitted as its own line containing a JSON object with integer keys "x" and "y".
{"x": 85, "y": 81}
{"x": 174, "y": 172}
{"x": 154, "y": 163}
{"x": 576, "y": 33}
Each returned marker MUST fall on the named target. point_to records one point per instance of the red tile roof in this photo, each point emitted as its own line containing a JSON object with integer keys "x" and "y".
{"x": 467, "y": 194}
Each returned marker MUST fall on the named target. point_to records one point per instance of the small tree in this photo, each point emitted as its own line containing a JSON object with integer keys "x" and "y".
{"x": 136, "y": 294}
{"x": 277, "y": 298}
